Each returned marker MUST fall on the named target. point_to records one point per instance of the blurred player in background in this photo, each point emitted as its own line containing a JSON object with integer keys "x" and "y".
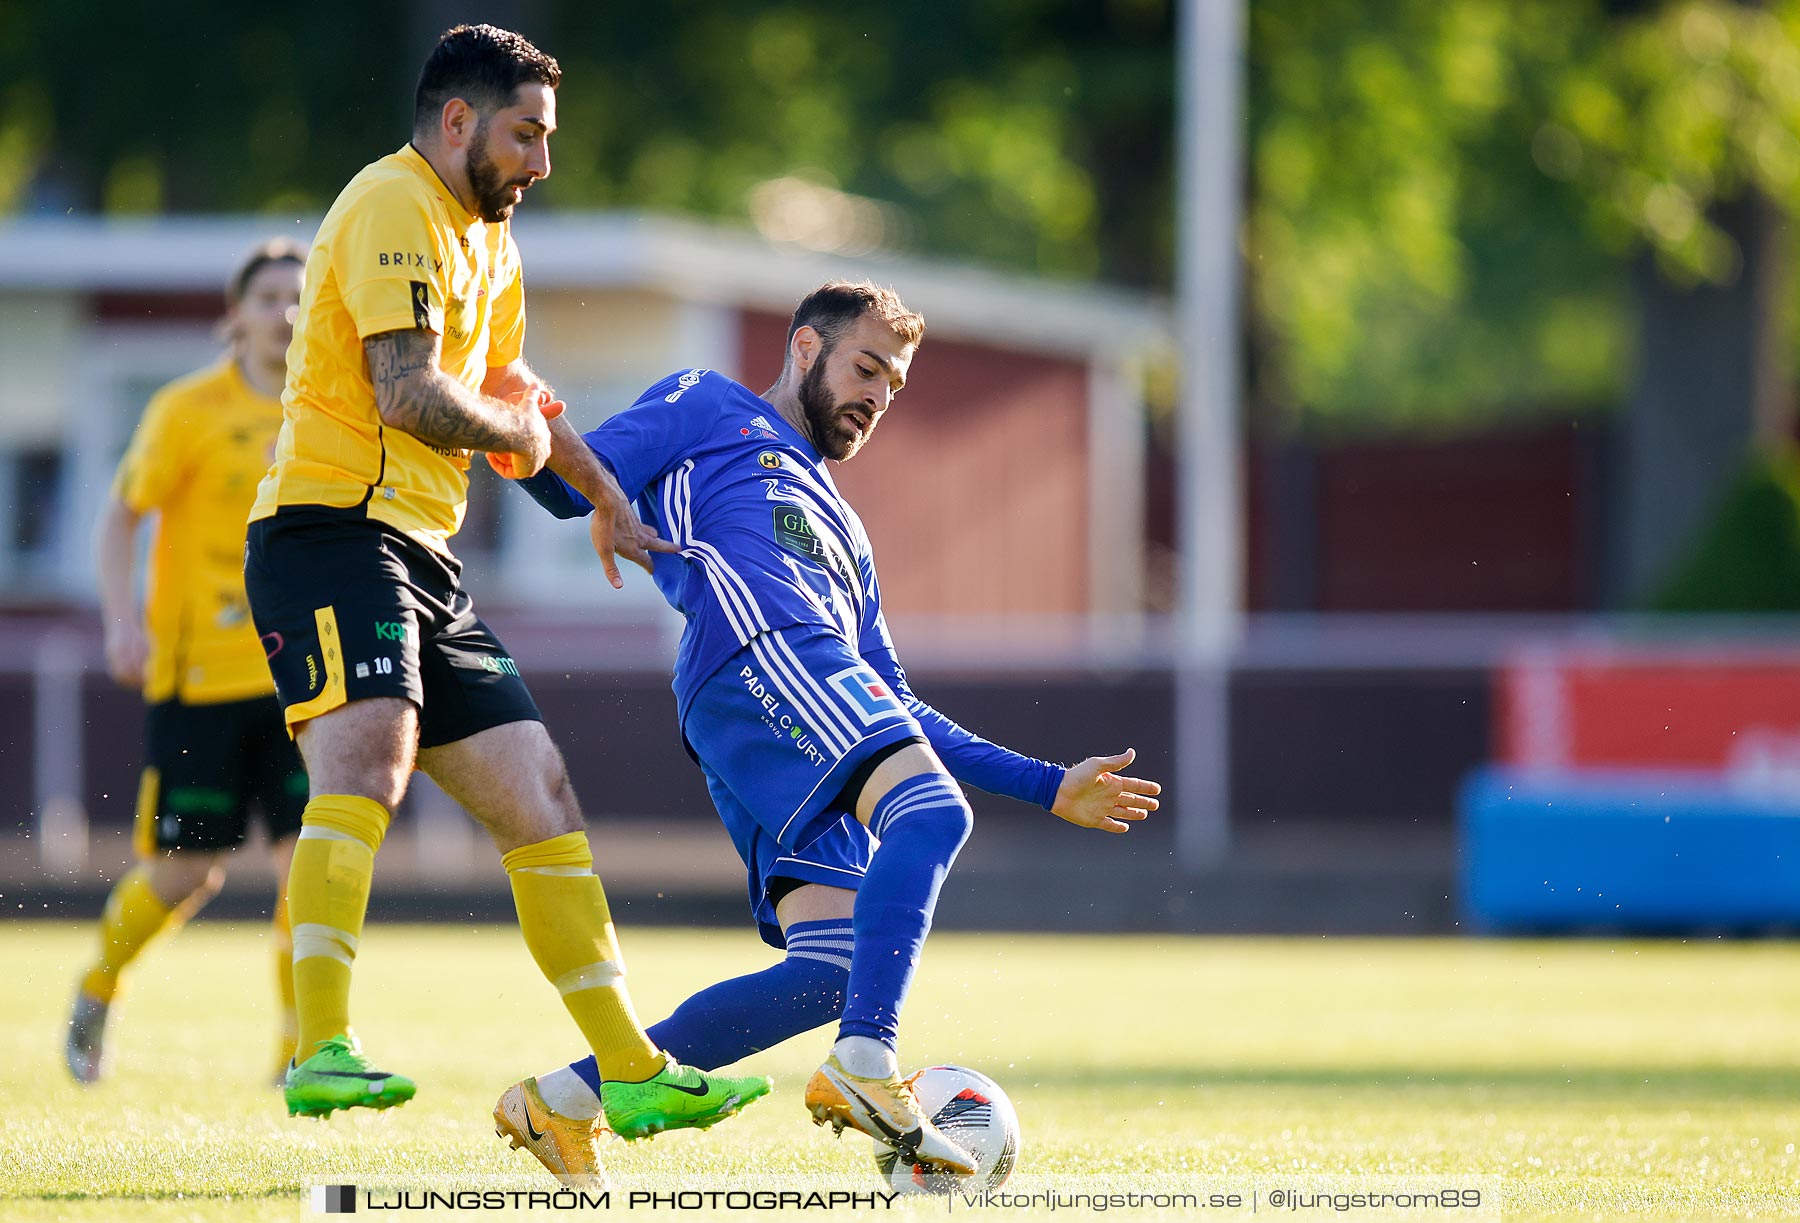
{"x": 837, "y": 784}
{"x": 407, "y": 356}
{"x": 216, "y": 746}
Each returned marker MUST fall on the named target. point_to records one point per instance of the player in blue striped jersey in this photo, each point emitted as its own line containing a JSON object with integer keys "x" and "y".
{"x": 837, "y": 784}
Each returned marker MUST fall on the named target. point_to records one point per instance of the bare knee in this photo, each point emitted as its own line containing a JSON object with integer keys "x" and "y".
{"x": 182, "y": 877}
{"x": 546, "y": 806}
{"x": 366, "y": 748}
{"x": 512, "y": 780}
{"x": 559, "y": 794}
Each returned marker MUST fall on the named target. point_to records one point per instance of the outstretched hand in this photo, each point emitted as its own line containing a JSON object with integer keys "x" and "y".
{"x": 1094, "y": 794}
{"x": 615, "y": 528}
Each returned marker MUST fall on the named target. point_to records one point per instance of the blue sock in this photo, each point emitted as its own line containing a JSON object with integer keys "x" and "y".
{"x": 921, "y": 822}
{"x": 748, "y": 1014}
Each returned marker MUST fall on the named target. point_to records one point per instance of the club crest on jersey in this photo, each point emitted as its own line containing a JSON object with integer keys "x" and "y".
{"x": 769, "y": 459}
{"x": 869, "y": 696}
{"x": 421, "y": 305}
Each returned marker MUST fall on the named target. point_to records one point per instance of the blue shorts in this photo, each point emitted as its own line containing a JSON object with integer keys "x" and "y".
{"x": 778, "y": 731}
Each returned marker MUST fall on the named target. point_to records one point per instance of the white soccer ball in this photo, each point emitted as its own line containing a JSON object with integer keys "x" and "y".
{"x": 970, "y": 1110}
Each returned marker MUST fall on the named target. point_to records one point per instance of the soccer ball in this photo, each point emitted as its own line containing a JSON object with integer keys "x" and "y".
{"x": 971, "y": 1111}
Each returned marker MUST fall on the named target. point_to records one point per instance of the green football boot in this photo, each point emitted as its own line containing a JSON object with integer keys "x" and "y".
{"x": 677, "y": 1097}
{"x": 338, "y": 1076}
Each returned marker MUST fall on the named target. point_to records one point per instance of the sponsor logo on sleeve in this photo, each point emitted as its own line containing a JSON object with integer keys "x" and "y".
{"x": 684, "y": 384}
{"x": 421, "y": 304}
{"x": 410, "y": 259}
{"x": 868, "y": 694}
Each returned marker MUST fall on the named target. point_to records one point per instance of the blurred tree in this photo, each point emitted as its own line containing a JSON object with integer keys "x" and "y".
{"x": 1409, "y": 261}
{"x": 1687, "y": 140}
{"x": 1457, "y": 203}
{"x": 200, "y": 105}
{"x": 1025, "y": 132}
{"x": 1747, "y": 556}
{"x": 1445, "y": 194}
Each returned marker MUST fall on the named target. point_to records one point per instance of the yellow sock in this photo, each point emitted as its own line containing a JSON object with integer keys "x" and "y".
{"x": 563, "y": 914}
{"x": 282, "y": 937}
{"x": 327, "y": 895}
{"x": 134, "y": 915}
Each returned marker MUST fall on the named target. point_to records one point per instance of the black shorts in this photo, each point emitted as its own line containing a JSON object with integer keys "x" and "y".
{"x": 349, "y": 609}
{"x": 207, "y": 766}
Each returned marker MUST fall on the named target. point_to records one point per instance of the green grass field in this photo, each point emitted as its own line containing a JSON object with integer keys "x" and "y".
{"x": 1614, "y": 1080}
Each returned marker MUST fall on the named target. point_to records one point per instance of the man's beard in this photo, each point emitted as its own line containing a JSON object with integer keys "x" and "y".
{"x": 823, "y": 416}
{"x": 493, "y": 198}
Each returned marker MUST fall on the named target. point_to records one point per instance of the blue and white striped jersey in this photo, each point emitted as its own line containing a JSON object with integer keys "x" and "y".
{"x": 766, "y": 543}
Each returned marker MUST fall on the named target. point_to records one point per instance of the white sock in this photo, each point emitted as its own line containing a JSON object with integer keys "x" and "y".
{"x": 568, "y": 1095}
{"x": 866, "y": 1058}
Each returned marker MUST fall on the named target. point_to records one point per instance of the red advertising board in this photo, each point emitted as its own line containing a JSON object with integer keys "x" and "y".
{"x": 1603, "y": 707}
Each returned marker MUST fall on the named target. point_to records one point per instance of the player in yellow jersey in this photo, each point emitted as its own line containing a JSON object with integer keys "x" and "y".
{"x": 407, "y": 357}
{"x": 215, "y": 742}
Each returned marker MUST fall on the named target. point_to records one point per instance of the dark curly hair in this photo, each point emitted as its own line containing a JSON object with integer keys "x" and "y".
{"x": 484, "y": 66}
{"x": 834, "y": 307}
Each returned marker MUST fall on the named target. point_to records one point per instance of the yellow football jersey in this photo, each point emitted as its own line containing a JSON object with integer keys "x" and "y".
{"x": 396, "y": 251}
{"x": 203, "y": 444}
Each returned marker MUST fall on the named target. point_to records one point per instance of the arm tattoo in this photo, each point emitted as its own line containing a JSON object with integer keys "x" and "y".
{"x": 414, "y": 396}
